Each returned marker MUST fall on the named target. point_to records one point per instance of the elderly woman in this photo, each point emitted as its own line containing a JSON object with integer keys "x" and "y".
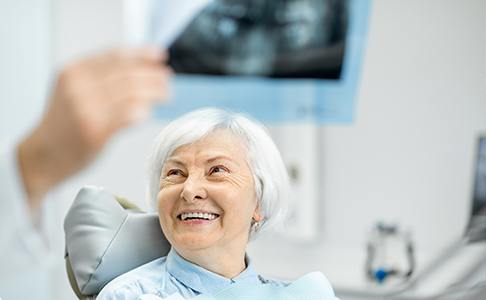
{"x": 217, "y": 180}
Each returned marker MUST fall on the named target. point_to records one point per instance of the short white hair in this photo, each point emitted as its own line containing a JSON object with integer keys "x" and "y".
{"x": 266, "y": 164}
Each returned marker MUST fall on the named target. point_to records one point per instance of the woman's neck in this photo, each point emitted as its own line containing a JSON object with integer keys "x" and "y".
{"x": 226, "y": 263}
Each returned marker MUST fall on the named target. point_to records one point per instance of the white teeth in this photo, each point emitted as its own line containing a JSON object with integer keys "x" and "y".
{"x": 207, "y": 216}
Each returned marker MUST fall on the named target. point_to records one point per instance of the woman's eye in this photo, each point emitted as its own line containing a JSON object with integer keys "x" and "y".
{"x": 218, "y": 169}
{"x": 175, "y": 172}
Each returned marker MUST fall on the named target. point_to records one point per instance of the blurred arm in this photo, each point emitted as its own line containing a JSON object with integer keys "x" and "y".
{"x": 22, "y": 237}
{"x": 91, "y": 100}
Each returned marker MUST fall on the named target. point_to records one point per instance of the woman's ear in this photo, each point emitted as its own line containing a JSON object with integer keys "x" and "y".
{"x": 256, "y": 214}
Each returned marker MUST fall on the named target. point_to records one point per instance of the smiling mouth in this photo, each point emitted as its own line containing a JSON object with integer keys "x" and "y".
{"x": 197, "y": 216}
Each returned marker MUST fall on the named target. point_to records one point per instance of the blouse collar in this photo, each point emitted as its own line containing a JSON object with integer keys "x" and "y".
{"x": 202, "y": 280}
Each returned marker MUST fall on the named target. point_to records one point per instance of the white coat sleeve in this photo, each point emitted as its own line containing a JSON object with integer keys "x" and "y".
{"x": 23, "y": 240}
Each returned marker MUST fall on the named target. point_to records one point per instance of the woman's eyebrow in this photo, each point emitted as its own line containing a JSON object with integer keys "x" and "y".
{"x": 218, "y": 157}
{"x": 174, "y": 161}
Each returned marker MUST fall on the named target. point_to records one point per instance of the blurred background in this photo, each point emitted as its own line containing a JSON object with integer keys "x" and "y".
{"x": 407, "y": 157}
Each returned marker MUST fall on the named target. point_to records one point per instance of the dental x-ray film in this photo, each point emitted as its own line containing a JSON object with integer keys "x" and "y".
{"x": 279, "y": 61}
{"x": 271, "y": 38}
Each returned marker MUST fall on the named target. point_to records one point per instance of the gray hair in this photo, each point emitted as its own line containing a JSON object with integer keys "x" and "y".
{"x": 266, "y": 164}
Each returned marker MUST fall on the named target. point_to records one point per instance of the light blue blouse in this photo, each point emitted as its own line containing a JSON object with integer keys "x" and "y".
{"x": 172, "y": 275}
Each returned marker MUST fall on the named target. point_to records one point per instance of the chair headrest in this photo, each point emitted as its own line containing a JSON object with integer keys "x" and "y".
{"x": 104, "y": 240}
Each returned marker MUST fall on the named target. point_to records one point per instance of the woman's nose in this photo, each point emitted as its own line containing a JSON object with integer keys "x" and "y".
{"x": 194, "y": 189}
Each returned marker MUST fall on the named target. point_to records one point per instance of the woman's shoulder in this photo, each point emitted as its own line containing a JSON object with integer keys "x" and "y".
{"x": 310, "y": 286}
{"x": 313, "y": 285}
{"x": 140, "y": 280}
{"x": 312, "y": 277}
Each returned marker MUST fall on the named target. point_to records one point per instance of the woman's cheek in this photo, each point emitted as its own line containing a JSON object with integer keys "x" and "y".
{"x": 168, "y": 196}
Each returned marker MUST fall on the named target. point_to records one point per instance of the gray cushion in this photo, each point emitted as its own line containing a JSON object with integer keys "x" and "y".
{"x": 104, "y": 240}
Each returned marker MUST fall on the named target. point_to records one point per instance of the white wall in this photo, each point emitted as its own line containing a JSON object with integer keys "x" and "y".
{"x": 407, "y": 157}
{"x": 83, "y": 27}
{"x": 421, "y": 104}
{"x": 25, "y": 64}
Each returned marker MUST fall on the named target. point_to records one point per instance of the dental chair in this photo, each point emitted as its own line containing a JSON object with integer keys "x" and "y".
{"x": 107, "y": 236}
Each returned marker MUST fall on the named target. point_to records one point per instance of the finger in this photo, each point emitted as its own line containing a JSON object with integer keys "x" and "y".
{"x": 148, "y": 54}
{"x": 114, "y": 87}
{"x": 138, "y": 93}
{"x": 95, "y": 68}
{"x": 129, "y": 72}
{"x": 131, "y": 56}
{"x": 139, "y": 80}
{"x": 115, "y": 61}
{"x": 142, "y": 97}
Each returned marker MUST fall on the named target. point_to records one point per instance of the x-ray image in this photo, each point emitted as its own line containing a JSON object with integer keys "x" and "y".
{"x": 274, "y": 38}
{"x": 277, "y": 60}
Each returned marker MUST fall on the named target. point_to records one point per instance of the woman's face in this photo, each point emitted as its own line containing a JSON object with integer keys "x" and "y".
{"x": 207, "y": 195}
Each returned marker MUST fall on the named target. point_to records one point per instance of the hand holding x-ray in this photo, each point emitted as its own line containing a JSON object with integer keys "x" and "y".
{"x": 91, "y": 100}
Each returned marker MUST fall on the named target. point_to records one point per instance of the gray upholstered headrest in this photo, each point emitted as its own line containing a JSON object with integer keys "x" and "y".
{"x": 103, "y": 240}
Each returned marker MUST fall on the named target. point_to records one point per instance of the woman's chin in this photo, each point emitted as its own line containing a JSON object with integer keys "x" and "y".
{"x": 193, "y": 241}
